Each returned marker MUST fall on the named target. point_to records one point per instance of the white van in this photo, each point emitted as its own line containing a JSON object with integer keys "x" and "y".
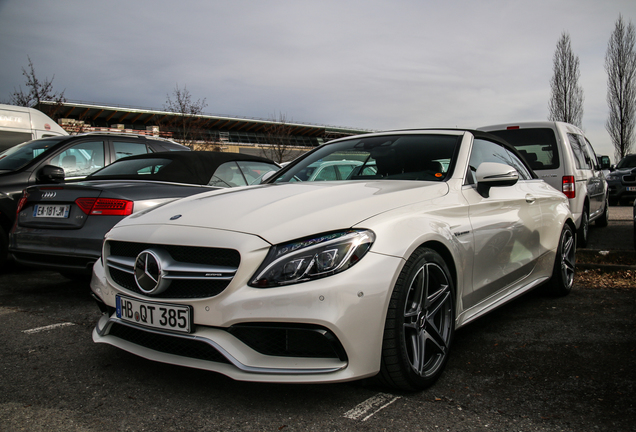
{"x": 560, "y": 154}
{"x": 20, "y": 124}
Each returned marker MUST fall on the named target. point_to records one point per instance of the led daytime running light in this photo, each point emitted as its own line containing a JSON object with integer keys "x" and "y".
{"x": 313, "y": 258}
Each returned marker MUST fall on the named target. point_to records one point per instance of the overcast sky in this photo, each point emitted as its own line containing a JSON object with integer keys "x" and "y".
{"x": 363, "y": 64}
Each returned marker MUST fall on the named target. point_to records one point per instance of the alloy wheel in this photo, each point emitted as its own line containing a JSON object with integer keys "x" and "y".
{"x": 428, "y": 320}
{"x": 567, "y": 254}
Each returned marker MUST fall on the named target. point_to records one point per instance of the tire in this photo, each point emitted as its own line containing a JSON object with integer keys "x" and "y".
{"x": 584, "y": 229}
{"x": 562, "y": 279}
{"x": 420, "y": 323}
{"x": 603, "y": 220}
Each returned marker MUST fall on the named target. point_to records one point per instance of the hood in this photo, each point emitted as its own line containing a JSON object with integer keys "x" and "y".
{"x": 281, "y": 212}
{"x": 623, "y": 171}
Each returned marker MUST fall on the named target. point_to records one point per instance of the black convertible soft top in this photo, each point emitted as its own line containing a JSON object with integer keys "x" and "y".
{"x": 195, "y": 167}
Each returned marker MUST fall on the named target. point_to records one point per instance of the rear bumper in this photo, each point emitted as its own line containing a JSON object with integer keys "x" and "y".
{"x": 62, "y": 250}
{"x": 63, "y": 263}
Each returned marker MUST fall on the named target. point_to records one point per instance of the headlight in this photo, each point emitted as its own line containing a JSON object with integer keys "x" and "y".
{"x": 611, "y": 177}
{"x": 312, "y": 258}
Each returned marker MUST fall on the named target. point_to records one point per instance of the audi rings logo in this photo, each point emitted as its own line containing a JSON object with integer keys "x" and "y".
{"x": 49, "y": 194}
{"x": 149, "y": 273}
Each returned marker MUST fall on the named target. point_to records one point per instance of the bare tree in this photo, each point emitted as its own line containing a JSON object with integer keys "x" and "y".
{"x": 566, "y": 101}
{"x": 187, "y": 123}
{"x": 38, "y": 90}
{"x": 620, "y": 64}
{"x": 278, "y": 135}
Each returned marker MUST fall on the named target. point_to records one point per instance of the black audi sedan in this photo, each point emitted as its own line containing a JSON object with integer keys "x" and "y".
{"x": 61, "y": 226}
{"x": 39, "y": 161}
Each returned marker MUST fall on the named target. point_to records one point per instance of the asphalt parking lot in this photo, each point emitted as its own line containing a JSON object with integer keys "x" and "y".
{"x": 536, "y": 364}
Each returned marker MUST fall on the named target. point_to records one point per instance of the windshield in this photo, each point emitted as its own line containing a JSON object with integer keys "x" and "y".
{"x": 627, "y": 162}
{"x": 20, "y": 155}
{"x": 426, "y": 157}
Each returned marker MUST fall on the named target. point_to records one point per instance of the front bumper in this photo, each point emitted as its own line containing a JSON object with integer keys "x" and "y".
{"x": 344, "y": 313}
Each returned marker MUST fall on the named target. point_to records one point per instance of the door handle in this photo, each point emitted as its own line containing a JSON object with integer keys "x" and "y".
{"x": 530, "y": 199}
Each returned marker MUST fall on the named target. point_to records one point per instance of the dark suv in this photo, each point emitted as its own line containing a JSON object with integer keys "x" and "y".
{"x": 622, "y": 180}
{"x": 60, "y": 158}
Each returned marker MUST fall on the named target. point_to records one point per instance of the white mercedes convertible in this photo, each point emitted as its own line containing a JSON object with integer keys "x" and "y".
{"x": 365, "y": 270}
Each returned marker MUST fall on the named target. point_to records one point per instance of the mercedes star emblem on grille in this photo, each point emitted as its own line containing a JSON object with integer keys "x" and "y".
{"x": 149, "y": 273}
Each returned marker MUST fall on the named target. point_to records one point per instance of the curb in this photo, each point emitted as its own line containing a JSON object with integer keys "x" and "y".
{"x": 599, "y": 255}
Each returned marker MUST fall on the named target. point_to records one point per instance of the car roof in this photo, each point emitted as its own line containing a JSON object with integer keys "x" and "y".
{"x": 195, "y": 167}
{"x": 113, "y": 135}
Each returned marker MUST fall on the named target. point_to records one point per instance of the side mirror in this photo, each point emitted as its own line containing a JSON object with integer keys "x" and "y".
{"x": 268, "y": 175}
{"x": 50, "y": 174}
{"x": 604, "y": 162}
{"x": 493, "y": 174}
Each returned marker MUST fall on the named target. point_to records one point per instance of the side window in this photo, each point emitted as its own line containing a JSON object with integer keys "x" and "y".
{"x": 123, "y": 149}
{"x": 253, "y": 171}
{"x": 81, "y": 160}
{"x": 328, "y": 173}
{"x": 345, "y": 170}
{"x": 524, "y": 174}
{"x": 591, "y": 153}
{"x": 581, "y": 157}
{"x": 227, "y": 175}
{"x": 486, "y": 151}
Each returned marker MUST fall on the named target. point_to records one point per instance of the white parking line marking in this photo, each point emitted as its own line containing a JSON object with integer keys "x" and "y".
{"x": 45, "y": 328}
{"x": 373, "y": 405}
{"x": 6, "y": 310}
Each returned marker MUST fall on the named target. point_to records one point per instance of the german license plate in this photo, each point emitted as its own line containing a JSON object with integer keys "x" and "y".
{"x": 177, "y": 318}
{"x": 51, "y": 210}
{"x": 631, "y": 188}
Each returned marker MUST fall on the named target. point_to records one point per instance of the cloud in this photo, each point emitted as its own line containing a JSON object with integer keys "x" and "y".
{"x": 368, "y": 64}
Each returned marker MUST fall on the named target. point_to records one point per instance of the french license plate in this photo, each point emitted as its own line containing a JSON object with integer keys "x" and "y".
{"x": 163, "y": 316}
{"x": 631, "y": 188}
{"x": 51, "y": 210}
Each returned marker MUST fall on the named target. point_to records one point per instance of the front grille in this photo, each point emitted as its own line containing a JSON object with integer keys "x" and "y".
{"x": 186, "y": 254}
{"x": 179, "y": 289}
{"x": 629, "y": 179}
{"x": 289, "y": 340}
{"x": 184, "y": 347}
{"x": 202, "y": 272}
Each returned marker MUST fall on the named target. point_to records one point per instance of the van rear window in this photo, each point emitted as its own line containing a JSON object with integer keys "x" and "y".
{"x": 537, "y": 145}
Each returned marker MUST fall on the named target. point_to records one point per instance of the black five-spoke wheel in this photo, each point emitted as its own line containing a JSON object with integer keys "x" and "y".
{"x": 420, "y": 323}
{"x": 564, "y": 264}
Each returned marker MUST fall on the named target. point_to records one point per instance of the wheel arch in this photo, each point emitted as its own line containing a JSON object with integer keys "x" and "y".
{"x": 446, "y": 254}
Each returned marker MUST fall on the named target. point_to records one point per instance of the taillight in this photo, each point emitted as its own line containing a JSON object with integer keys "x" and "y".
{"x": 513, "y": 127}
{"x": 105, "y": 206}
{"x": 568, "y": 187}
{"x": 22, "y": 201}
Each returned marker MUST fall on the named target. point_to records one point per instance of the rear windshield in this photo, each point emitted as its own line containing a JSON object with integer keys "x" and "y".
{"x": 538, "y": 146}
{"x": 132, "y": 167}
